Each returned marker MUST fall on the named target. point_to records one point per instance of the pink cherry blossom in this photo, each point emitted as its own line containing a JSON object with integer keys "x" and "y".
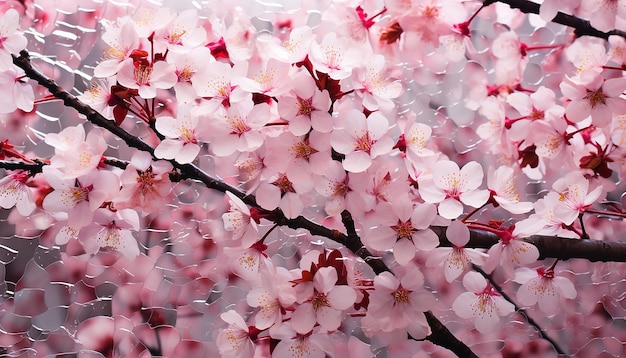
{"x": 544, "y": 287}
{"x": 575, "y": 196}
{"x": 482, "y": 303}
{"x": 333, "y": 56}
{"x": 451, "y": 186}
{"x": 147, "y": 77}
{"x": 501, "y": 184}
{"x": 239, "y": 220}
{"x": 306, "y": 107}
{"x": 76, "y": 155}
{"x": 327, "y": 304}
{"x": 122, "y": 39}
{"x": 217, "y": 82}
{"x": 145, "y": 184}
{"x": 12, "y": 41}
{"x": 511, "y": 249}
{"x": 458, "y": 258}
{"x": 234, "y": 341}
{"x": 275, "y": 294}
{"x": 18, "y": 93}
{"x": 271, "y": 80}
{"x": 111, "y": 230}
{"x": 15, "y": 192}
{"x": 370, "y": 81}
{"x": 183, "y": 33}
{"x": 398, "y": 304}
{"x": 182, "y": 135}
{"x": 361, "y": 139}
{"x": 80, "y": 197}
{"x": 596, "y": 97}
{"x": 238, "y": 128}
{"x": 405, "y": 230}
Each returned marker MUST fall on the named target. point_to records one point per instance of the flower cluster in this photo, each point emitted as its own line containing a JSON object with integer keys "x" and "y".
{"x": 348, "y": 145}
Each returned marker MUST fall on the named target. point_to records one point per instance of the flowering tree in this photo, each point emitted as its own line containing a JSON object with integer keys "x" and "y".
{"x": 356, "y": 178}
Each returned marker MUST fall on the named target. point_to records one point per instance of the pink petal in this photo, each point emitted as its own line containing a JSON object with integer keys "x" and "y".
{"x": 341, "y": 297}
{"x": 404, "y": 251}
{"x": 458, "y": 233}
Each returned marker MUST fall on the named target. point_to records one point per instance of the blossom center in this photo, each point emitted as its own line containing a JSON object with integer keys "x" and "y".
{"x": 238, "y": 125}
{"x": 595, "y": 98}
{"x": 364, "y": 143}
{"x": 303, "y": 150}
{"x": 401, "y": 295}
{"x": 305, "y": 106}
{"x": 319, "y": 300}
{"x": 404, "y": 230}
{"x": 142, "y": 73}
{"x": 284, "y": 185}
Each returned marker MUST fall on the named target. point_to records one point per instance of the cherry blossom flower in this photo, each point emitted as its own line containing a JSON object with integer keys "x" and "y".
{"x": 12, "y": 41}
{"x": 334, "y": 184}
{"x": 333, "y": 56}
{"x": 75, "y": 154}
{"x": 538, "y": 106}
{"x": 111, "y": 230}
{"x": 279, "y": 191}
{"x": 122, "y": 39}
{"x": 597, "y": 97}
{"x": 511, "y": 249}
{"x": 80, "y": 197}
{"x": 275, "y": 294}
{"x": 182, "y": 135}
{"x": 238, "y": 128}
{"x": 456, "y": 259}
{"x": 145, "y": 184}
{"x": 451, "y": 186}
{"x": 502, "y": 187}
{"x": 234, "y": 341}
{"x": 272, "y": 80}
{"x": 575, "y": 196}
{"x": 482, "y": 303}
{"x": 305, "y": 155}
{"x": 361, "y": 139}
{"x": 293, "y": 50}
{"x": 542, "y": 286}
{"x": 370, "y": 82}
{"x": 295, "y": 345}
{"x": 183, "y": 33}
{"x": 603, "y": 14}
{"x": 398, "y": 304}
{"x": 17, "y": 94}
{"x": 187, "y": 65}
{"x": 15, "y": 192}
{"x": 405, "y": 229}
{"x": 239, "y": 220}
{"x": 544, "y": 221}
{"x": 306, "y": 107}
{"x": 326, "y": 305}
{"x": 413, "y": 139}
{"x": 147, "y": 77}
{"x": 99, "y": 95}
{"x": 217, "y": 82}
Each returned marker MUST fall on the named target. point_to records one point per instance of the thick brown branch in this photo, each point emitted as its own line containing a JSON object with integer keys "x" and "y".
{"x": 550, "y": 246}
{"x": 581, "y": 27}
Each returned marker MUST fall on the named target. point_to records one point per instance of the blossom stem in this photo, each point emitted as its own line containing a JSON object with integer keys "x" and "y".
{"x": 267, "y": 233}
{"x": 613, "y": 68}
{"x": 608, "y": 213}
{"x": 545, "y": 47}
{"x": 371, "y": 18}
{"x": 582, "y": 226}
{"x": 474, "y": 212}
{"x": 523, "y": 312}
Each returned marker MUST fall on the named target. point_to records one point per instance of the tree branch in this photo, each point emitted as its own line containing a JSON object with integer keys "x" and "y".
{"x": 440, "y": 334}
{"x": 581, "y": 27}
{"x": 550, "y": 246}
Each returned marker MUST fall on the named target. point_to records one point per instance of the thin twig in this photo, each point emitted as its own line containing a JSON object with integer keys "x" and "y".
{"x": 523, "y": 312}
